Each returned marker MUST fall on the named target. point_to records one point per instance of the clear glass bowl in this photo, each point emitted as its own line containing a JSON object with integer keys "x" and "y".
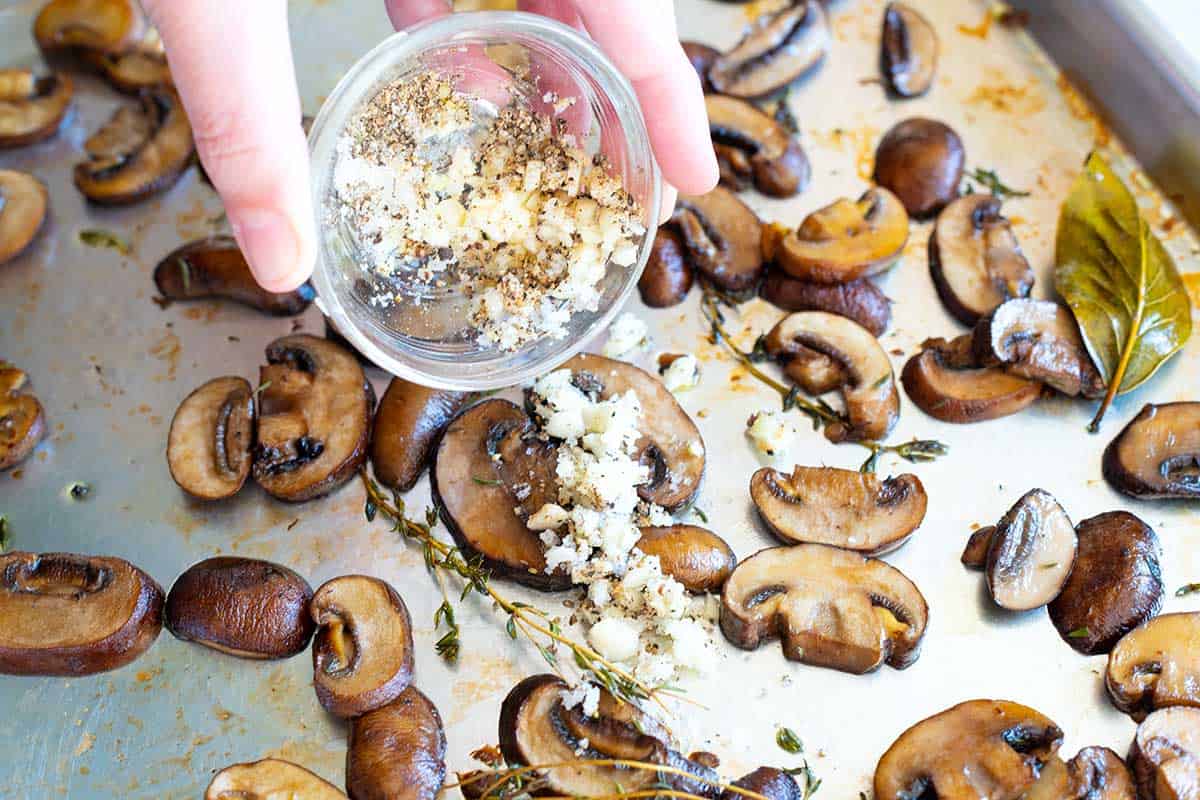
{"x": 433, "y": 347}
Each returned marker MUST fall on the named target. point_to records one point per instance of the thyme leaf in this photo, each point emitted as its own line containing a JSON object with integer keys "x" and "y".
{"x": 5, "y": 534}
{"x": 1187, "y": 588}
{"x": 1079, "y": 633}
{"x": 486, "y": 481}
{"x": 988, "y": 179}
{"x": 788, "y": 741}
{"x": 98, "y": 237}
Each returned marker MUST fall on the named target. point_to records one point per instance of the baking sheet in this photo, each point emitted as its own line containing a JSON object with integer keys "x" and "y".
{"x": 111, "y": 366}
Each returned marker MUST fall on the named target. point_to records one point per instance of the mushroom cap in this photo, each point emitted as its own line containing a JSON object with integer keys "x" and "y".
{"x": 963, "y": 395}
{"x": 1156, "y": 665}
{"x": 921, "y": 161}
{"x": 22, "y": 421}
{"x": 1165, "y": 755}
{"x": 974, "y": 554}
{"x": 668, "y": 276}
{"x": 408, "y": 423}
{"x": 67, "y": 614}
{"x": 1157, "y": 455}
{"x": 1031, "y": 553}
{"x": 722, "y": 236}
{"x": 31, "y": 108}
{"x": 269, "y": 779}
{"x": 96, "y": 26}
{"x": 23, "y": 204}
{"x": 698, "y": 558}
{"x": 909, "y": 50}
{"x": 211, "y": 436}
{"x": 397, "y": 751}
{"x": 779, "y": 48}
{"x": 215, "y": 267}
{"x": 776, "y": 158}
{"x": 980, "y": 748}
{"x": 771, "y": 783}
{"x": 829, "y": 607}
{"x": 840, "y": 507}
{"x": 859, "y": 300}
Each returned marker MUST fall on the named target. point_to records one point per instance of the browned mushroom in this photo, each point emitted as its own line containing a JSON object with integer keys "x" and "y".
{"x": 734, "y": 167}
{"x": 1115, "y": 586}
{"x": 829, "y": 607}
{"x": 859, "y": 300}
{"x": 1039, "y": 340}
{"x": 88, "y": 26}
{"x": 909, "y": 52}
{"x": 822, "y": 352}
{"x": 1095, "y": 773}
{"x": 701, "y": 57}
{"x": 1157, "y": 455}
{"x": 140, "y": 151}
{"x": 1031, "y": 553}
{"x": 211, "y": 436}
{"x": 976, "y": 749}
{"x": 134, "y": 70}
{"x": 270, "y": 779}
{"x": 215, "y": 267}
{"x": 668, "y": 276}
{"x": 22, "y": 422}
{"x": 66, "y": 614}
{"x": 1165, "y": 755}
{"x": 939, "y": 386}
{"x": 779, "y": 48}
{"x": 697, "y": 558}
{"x": 314, "y": 418}
{"x": 771, "y": 783}
{"x": 1156, "y": 665}
{"x": 363, "y": 650}
{"x": 31, "y": 107}
{"x": 975, "y": 259}
{"x": 407, "y": 426}
{"x": 722, "y": 236}
{"x": 921, "y": 160}
{"x": 974, "y": 555}
{"x": 397, "y": 751}
{"x": 778, "y": 162}
{"x": 241, "y": 606}
{"x": 23, "y": 204}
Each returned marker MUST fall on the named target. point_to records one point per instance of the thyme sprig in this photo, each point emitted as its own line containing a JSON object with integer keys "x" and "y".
{"x": 988, "y": 179}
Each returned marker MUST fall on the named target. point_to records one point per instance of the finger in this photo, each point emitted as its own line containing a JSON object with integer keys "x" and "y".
{"x": 640, "y": 38}
{"x": 232, "y": 64}
{"x": 404, "y": 13}
{"x": 667, "y": 205}
{"x": 561, "y": 10}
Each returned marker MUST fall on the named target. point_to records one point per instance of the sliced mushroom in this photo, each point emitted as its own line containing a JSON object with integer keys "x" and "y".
{"x": 921, "y": 160}
{"x": 780, "y": 167}
{"x": 66, "y": 614}
{"x": 779, "y": 48}
{"x": 840, "y": 507}
{"x": 977, "y": 749}
{"x": 1157, "y": 455}
{"x": 407, "y": 426}
{"x": 847, "y": 239}
{"x": 1115, "y": 586}
{"x": 1165, "y": 755}
{"x": 270, "y": 779}
{"x": 963, "y": 394}
{"x": 490, "y": 460}
{"x": 22, "y": 422}
{"x": 397, "y": 751}
{"x": 668, "y": 276}
{"x": 974, "y": 555}
{"x": 215, "y": 267}
{"x": 23, "y": 204}
{"x": 142, "y": 150}
{"x": 822, "y": 352}
{"x": 136, "y": 70}
{"x": 212, "y": 433}
{"x": 771, "y": 783}
{"x": 722, "y": 236}
{"x": 363, "y": 649}
{"x": 859, "y": 300}
{"x": 734, "y": 167}
{"x": 909, "y": 53}
{"x": 241, "y": 606}
{"x": 1095, "y": 773}
{"x": 1156, "y": 665}
{"x": 694, "y": 556}
{"x": 1039, "y": 340}
{"x": 31, "y": 107}
{"x": 314, "y": 418}
{"x": 88, "y": 26}
{"x": 975, "y": 259}
{"x": 1031, "y": 553}
{"x": 829, "y": 607}
{"x": 670, "y": 444}
{"x": 701, "y": 57}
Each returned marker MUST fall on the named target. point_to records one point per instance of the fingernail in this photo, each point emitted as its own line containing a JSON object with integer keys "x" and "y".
{"x": 272, "y": 247}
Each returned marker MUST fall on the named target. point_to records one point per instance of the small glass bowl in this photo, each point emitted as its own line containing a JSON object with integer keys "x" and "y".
{"x": 435, "y": 351}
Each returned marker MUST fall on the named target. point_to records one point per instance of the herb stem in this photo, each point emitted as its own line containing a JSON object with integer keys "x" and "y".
{"x": 504, "y": 776}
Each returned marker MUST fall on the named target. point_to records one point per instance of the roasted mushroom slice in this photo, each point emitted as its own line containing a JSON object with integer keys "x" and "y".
{"x": 822, "y": 352}
{"x": 859, "y": 300}
{"x": 976, "y": 749}
{"x": 88, "y": 26}
{"x": 1156, "y": 665}
{"x": 270, "y": 779}
{"x": 1157, "y": 455}
{"x": 780, "y": 167}
{"x": 829, "y": 607}
{"x": 1095, "y": 773}
{"x": 31, "y": 107}
{"x": 668, "y": 276}
{"x": 1031, "y": 553}
{"x": 701, "y": 57}
{"x": 490, "y": 460}
{"x": 211, "y": 436}
{"x": 1165, "y": 755}
{"x": 962, "y": 395}
{"x": 921, "y": 160}
{"x": 840, "y": 507}
{"x": 779, "y": 48}
{"x": 1115, "y": 586}
{"x": 66, "y": 614}
{"x": 670, "y": 444}
{"x": 1039, "y": 340}
{"x": 975, "y": 259}
{"x": 363, "y": 650}
{"x": 771, "y": 783}
{"x": 909, "y": 52}
{"x": 142, "y": 150}
{"x": 215, "y": 267}
{"x": 22, "y": 423}
{"x": 23, "y": 204}
{"x": 407, "y": 426}
{"x": 397, "y": 751}
{"x": 845, "y": 240}
{"x": 734, "y": 167}
{"x": 974, "y": 555}
{"x": 314, "y": 418}
{"x": 135, "y": 70}
{"x": 723, "y": 238}
{"x": 694, "y": 556}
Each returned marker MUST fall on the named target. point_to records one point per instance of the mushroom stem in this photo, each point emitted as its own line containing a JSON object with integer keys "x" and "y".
{"x": 502, "y": 777}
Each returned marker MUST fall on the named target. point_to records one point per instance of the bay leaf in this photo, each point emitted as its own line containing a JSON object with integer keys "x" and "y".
{"x": 1127, "y": 296}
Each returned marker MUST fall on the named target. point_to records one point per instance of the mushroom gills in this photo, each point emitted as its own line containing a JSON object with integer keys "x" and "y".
{"x": 779, "y": 48}
{"x": 774, "y": 157}
{"x": 1156, "y": 665}
{"x": 909, "y": 51}
{"x": 722, "y": 236}
{"x": 211, "y": 437}
{"x": 215, "y": 267}
{"x": 32, "y": 107}
{"x": 1031, "y": 553}
{"x": 920, "y": 160}
{"x": 1157, "y": 455}
{"x": 22, "y": 420}
{"x": 859, "y": 300}
{"x": 953, "y": 388}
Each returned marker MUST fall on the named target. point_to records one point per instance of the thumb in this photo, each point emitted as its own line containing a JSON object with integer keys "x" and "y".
{"x": 232, "y": 64}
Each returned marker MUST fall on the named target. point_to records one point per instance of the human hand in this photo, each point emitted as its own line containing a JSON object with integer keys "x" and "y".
{"x": 232, "y": 64}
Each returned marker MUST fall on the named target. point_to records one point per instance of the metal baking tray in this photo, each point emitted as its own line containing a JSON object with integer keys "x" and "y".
{"x": 111, "y": 367}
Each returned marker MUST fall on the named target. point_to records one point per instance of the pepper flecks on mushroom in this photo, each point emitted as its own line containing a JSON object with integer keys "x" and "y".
{"x": 909, "y": 50}
{"x": 844, "y": 508}
{"x": 1038, "y": 340}
{"x": 1157, "y": 455}
{"x": 920, "y": 160}
{"x": 780, "y": 167}
{"x": 859, "y": 300}
{"x": 22, "y": 421}
{"x": 408, "y": 423}
{"x": 397, "y": 751}
{"x": 1031, "y": 553}
{"x": 1165, "y": 755}
{"x": 269, "y": 779}
{"x": 23, "y": 205}
{"x": 829, "y": 607}
{"x": 31, "y": 107}
{"x": 698, "y": 558}
{"x": 945, "y": 381}
{"x": 779, "y": 48}
{"x": 1156, "y": 665}
{"x": 668, "y": 276}
{"x": 215, "y": 267}
{"x": 722, "y": 236}
{"x": 211, "y": 438}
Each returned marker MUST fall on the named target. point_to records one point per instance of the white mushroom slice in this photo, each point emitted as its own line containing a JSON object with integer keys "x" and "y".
{"x": 1031, "y": 553}
{"x": 31, "y": 107}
